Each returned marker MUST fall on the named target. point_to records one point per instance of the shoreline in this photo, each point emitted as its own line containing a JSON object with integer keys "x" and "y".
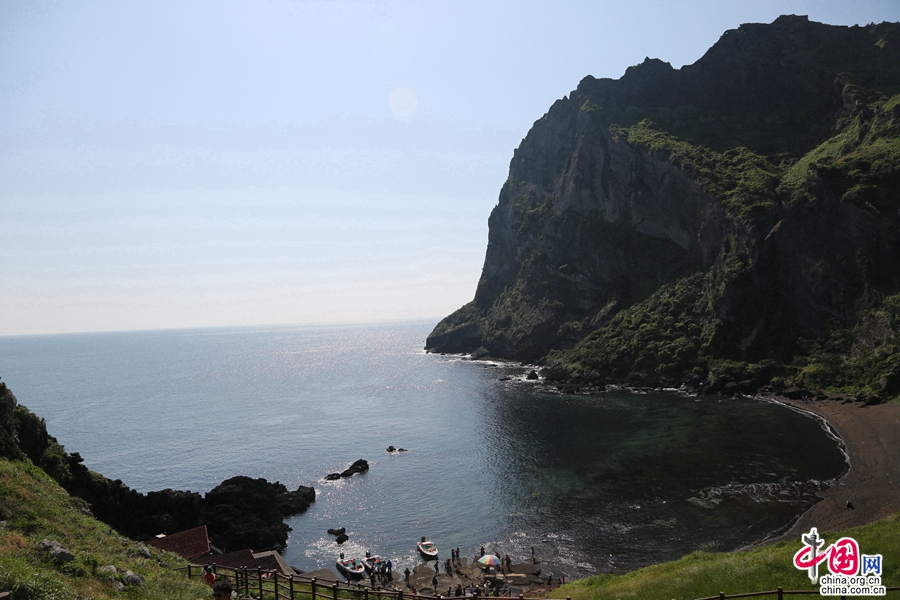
{"x": 870, "y": 437}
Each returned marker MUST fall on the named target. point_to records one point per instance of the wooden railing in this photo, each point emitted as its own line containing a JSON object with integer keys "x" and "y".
{"x": 781, "y": 593}
{"x": 259, "y": 583}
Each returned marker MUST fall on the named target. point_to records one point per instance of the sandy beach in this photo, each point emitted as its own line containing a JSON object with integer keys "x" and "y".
{"x": 871, "y": 439}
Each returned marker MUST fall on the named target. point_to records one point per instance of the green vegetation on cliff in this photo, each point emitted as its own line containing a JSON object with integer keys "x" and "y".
{"x": 678, "y": 331}
{"x": 738, "y": 217}
{"x": 33, "y": 508}
{"x": 744, "y": 181}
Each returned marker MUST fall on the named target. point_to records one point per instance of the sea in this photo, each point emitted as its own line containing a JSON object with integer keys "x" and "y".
{"x": 597, "y": 483}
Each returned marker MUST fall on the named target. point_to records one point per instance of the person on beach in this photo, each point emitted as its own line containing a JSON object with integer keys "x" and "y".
{"x": 482, "y": 551}
{"x": 434, "y": 582}
{"x": 208, "y": 576}
{"x": 508, "y": 562}
{"x": 406, "y": 576}
{"x": 459, "y": 590}
{"x": 389, "y": 566}
{"x": 550, "y": 582}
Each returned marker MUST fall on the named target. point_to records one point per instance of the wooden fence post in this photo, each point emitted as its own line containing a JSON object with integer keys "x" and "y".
{"x": 334, "y": 590}
{"x": 312, "y": 586}
{"x": 780, "y": 593}
{"x": 399, "y": 594}
{"x": 291, "y": 585}
{"x": 259, "y": 579}
{"x": 721, "y": 595}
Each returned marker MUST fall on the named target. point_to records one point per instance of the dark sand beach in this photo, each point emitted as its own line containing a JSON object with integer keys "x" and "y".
{"x": 871, "y": 439}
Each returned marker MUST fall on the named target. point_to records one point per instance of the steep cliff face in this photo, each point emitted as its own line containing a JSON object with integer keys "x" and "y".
{"x": 757, "y": 189}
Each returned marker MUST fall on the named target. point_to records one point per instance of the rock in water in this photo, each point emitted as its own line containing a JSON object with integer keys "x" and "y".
{"x": 359, "y": 466}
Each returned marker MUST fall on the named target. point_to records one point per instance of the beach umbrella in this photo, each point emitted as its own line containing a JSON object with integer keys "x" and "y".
{"x": 490, "y": 560}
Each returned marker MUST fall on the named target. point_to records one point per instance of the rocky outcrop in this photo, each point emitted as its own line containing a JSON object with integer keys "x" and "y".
{"x": 358, "y": 467}
{"x": 708, "y": 204}
{"x": 9, "y": 442}
{"x": 241, "y": 512}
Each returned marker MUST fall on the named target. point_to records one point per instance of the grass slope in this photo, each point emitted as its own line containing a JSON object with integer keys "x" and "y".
{"x": 34, "y": 508}
{"x": 702, "y": 574}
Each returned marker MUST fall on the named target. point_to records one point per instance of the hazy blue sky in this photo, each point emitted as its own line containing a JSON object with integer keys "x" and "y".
{"x": 188, "y": 163}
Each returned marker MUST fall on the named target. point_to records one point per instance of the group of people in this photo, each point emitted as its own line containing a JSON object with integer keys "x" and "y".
{"x": 383, "y": 573}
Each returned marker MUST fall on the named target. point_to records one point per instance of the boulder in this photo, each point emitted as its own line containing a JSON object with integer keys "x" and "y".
{"x": 554, "y": 373}
{"x": 332, "y": 477}
{"x": 56, "y": 550}
{"x": 342, "y": 538}
{"x": 337, "y": 531}
{"x": 479, "y": 353}
{"x": 796, "y": 393}
{"x": 131, "y": 578}
{"x": 359, "y": 466}
{"x": 292, "y": 503}
{"x": 532, "y": 375}
{"x": 391, "y": 449}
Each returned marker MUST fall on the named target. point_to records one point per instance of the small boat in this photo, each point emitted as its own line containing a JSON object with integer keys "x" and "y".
{"x": 371, "y": 562}
{"x": 351, "y": 566}
{"x": 427, "y": 549}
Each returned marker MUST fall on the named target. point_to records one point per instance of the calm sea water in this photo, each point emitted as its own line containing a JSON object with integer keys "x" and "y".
{"x": 599, "y": 483}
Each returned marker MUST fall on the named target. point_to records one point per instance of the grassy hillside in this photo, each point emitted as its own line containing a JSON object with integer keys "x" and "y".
{"x": 702, "y": 574}
{"x": 33, "y": 508}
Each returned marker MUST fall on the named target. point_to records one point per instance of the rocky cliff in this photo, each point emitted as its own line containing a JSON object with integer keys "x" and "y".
{"x": 239, "y": 513}
{"x": 743, "y": 209}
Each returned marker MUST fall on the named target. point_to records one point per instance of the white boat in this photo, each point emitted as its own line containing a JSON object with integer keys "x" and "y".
{"x": 351, "y": 566}
{"x": 370, "y": 562}
{"x": 427, "y": 549}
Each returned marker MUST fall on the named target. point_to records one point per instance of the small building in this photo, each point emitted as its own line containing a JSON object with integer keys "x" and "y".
{"x": 270, "y": 561}
{"x": 190, "y": 544}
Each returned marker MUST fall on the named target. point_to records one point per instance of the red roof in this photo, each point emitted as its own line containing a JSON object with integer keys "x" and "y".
{"x": 188, "y": 544}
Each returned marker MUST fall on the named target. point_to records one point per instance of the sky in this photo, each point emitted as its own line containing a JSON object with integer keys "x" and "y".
{"x": 187, "y": 163}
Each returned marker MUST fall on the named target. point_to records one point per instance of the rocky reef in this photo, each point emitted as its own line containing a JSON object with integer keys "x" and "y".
{"x": 241, "y": 512}
{"x": 739, "y": 213}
